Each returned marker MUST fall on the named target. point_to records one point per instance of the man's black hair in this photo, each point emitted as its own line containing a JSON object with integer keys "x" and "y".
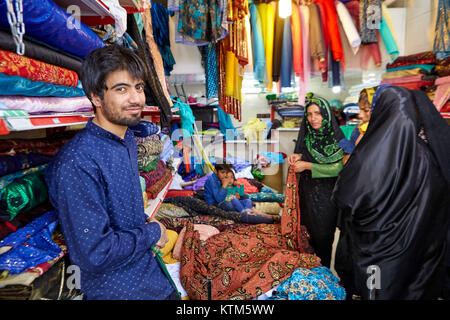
{"x": 102, "y": 61}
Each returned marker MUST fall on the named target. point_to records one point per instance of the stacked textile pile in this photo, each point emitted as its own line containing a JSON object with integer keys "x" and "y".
{"x": 45, "y": 79}
{"x": 155, "y": 150}
{"x": 422, "y": 71}
{"x": 288, "y": 108}
{"x": 25, "y": 209}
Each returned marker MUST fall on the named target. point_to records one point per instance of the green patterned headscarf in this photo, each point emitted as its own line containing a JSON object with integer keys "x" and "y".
{"x": 321, "y": 144}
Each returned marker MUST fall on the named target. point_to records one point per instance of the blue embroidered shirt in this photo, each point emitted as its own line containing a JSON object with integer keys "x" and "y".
{"x": 94, "y": 186}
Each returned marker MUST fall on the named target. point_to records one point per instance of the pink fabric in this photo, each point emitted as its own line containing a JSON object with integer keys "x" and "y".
{"x": 205, "y": 232}
{"x": 46, "y": 104}
{"x": 305, "y": 76}
{"x": 402, "y": 79}
{"x": 442, "y": 94}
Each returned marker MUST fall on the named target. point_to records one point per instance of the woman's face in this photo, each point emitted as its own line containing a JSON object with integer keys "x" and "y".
{"x": 314, "y": 116}
{"x": 364, "y": 112}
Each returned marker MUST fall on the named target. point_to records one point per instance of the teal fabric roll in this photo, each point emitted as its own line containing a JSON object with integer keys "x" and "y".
{"x": 19, "y": 86}
{"x": 427, "y": 67}
{"x": 259, "y": 56}
{"x": 388, "y": 40}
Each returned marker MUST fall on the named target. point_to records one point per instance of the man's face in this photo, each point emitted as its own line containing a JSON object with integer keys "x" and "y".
{"x": 221, "y": 174}
{"x": 123, "y": 99}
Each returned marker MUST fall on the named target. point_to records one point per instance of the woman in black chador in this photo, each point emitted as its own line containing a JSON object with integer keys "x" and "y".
{"x": 393, "y": 200}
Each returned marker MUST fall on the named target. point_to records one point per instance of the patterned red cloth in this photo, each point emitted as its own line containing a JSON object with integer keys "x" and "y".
{"x": 155, "y": 189}
{"x": 13, "y": 64}
{"x": 180, "y": 193}
{"x": 246, "y": 261}
{"x": 427, "y": 57}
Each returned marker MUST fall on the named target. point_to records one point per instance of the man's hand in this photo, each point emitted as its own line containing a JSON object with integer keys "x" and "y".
{"x": 163, "y": 239}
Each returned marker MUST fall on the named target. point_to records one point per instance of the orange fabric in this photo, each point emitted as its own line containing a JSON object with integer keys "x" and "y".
{"x": 297, "y": 49}
{"x": 246, "y": 261}
{"x": 333, "y": 29}
{"x": 248, "y": 188}
{"x": 12, "y": 64}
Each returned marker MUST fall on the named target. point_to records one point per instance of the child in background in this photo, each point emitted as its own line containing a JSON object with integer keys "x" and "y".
{"x": 216, "y": 192}
{"x": 236, "y": 199}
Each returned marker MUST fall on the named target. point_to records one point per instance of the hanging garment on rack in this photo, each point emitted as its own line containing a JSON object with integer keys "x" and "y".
{"x": 441, "y": 46}
{"x": 47, "y": 22}
{"x": 267, "y": 13}
{"x": 296, "y": 31}
{"x": 305, "y": 76}
{"x": 316, "y": 37}
{"x": 277, "y": 45}
{"x": 259, "y": 57}
{"x": 160, "y": 26}
{"x": 286, "y": 68}
{"x": 16, "y": 65}
{"x": 147, "y": 35}
{"x": 154, "y": 92}
{"x": 351, "y": 32}
{"x": 369, "y": 20}
{"x": 209, "y": 62}
{"x": 323, "y": 66}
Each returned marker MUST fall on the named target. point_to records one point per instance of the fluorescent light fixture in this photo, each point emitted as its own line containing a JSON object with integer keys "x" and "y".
{"x": 284, "y": 8}
{"x": 336, "y": 89}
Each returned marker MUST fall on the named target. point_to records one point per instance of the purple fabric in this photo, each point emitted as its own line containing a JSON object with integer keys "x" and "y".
{"x": 199, "y": 183}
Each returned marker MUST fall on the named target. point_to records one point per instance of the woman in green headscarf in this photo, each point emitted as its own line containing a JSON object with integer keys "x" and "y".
{"x": 318, "y": 159}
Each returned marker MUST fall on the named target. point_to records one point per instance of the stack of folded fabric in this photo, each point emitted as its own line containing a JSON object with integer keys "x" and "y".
{"x": 414, "y": 71}
{"x": 30, "y": 259}
{"x": 152, "y": 157}
{"x": 45, "y": 79}
{"x": 441, "y": 98}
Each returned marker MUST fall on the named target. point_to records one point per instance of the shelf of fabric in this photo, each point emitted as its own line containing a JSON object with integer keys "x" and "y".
{"x": 155, "y": 113}
{"x": 8, "y": 124}
{"x": 153, "y": 204}
{"x": 96, "y": 12}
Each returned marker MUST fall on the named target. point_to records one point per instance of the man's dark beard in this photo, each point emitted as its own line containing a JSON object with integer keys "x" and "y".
{"x": 131, "y": 121}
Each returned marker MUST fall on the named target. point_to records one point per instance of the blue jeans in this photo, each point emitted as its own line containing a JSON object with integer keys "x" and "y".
{"x": 236, "y": 205}
{"x": 244, "y": 204}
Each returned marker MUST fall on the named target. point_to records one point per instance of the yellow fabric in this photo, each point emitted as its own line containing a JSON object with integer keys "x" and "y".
{"x": 145, "y": 196}
{"x": 268, "y": 43}
{"x": 370, "y": 92}
{"x": 254, "y": 130}
{"x": 388, "y": 18}
{"x": 167, "y": 250}
{"x": 363, "y": 128}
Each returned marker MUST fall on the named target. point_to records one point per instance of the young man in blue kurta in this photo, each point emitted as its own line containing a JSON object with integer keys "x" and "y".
{"x": 94, "y": 186}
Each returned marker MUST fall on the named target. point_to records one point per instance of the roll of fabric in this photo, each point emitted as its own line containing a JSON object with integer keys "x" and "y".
{"x": 442, "y": 94}
{"x": 9, "y": 164}
{"x": 9, "y": 178}
{"x": 286, "y": 56}
{"x": 259, "y": 57}
{"x": 30, "y": 245}
{"x": 24, "y": 194}
{"x": 151, "y": 166}
{"x": 277, "y": 45}
{"x": 144, "y": 129}
{"x": 152, "y": 137}
{"x": 20, "y": 86}
{"x": 347, "y": 24}
{"x": 155, "y": 189}
{"x": 48, "y": 22}
{"x": 408, "y": 79}
{"x": 153, "y": 176}
{"x": 402, "y": 73}
{"x": 316, "y": 38}
{"x": 422, "y": 58}
{"x": 16, "y": 65}
{"x": 36, "y": 105}
{"x": 40, "y": 52}
{"x": 296, "y": 31}
{"x": 150, "y": 148}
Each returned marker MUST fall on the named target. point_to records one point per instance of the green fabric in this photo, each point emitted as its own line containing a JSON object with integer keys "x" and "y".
{"x": 388, "y": 39}
{"x": 150, "y": 166}
{"x": 158, "y": 256}
{"x": 257, "y": 174}
{"x": 326, "y": 170}
{"x": 347, "y": 130}
{"x": 24, "y": 194}
{"x": 321, "y": 143}
{"x": 426, "y": 67}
